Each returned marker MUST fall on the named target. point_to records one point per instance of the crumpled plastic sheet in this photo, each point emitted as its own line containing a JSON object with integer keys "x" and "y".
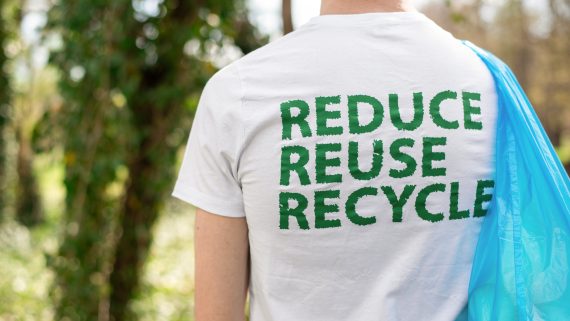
{"x": 521, "y": 265}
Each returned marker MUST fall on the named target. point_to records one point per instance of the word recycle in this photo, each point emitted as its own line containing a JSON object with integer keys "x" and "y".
{"x": 295, "y": 158}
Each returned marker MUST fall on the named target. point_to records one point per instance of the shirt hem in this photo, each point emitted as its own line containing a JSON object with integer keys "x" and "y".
{"x": 207, "y": 203}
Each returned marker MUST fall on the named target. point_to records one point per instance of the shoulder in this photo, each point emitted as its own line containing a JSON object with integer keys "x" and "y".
{"x": 223, "y": 92}
{"x": 230, "y": 82}
{"x": 270, "y": 57}
{"x": 454, "y": 48}
{"x": 220, "y": 104}
{"x": 231, "y": 76}
{"x": 225, "y": 81}
{"x": 463, "y": 57}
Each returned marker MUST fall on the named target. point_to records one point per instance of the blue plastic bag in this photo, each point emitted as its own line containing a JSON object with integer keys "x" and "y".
{"x": 521, "y": 268}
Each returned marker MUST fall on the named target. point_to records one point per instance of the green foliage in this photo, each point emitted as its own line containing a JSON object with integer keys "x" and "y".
{"x": 4, "y": 106}
{"x": 93, "y": 145}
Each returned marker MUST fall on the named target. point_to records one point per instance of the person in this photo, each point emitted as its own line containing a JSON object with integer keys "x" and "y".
{"x": 342, "y": 172}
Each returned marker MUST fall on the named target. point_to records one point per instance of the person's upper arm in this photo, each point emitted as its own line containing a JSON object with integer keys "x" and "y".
{"x": 221, "y": 267}
{"x": 208, "y": 175}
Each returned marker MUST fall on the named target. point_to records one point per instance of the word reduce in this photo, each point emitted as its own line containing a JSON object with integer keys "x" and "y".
{"x": 295, "y": 158}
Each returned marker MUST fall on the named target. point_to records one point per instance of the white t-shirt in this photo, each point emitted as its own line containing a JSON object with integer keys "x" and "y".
{"x": 360, "y": 149}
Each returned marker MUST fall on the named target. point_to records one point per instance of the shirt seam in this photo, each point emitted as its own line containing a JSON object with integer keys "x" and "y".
{"x": 240, "y": 149}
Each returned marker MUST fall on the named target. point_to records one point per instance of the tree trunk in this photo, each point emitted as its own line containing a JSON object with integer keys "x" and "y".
{"x": 151, "y": 165}
{"x": 287, "y": 18}
{"x": 28, "y": 203}
{"x": 4, "y": 101}
{"x": 139, "y": 214}
{"x": 3, "y": 181}
{"x": 521, "y": 48}
{"x": 151, "y": 174}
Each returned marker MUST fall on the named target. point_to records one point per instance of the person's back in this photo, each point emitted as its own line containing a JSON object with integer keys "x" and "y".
{"x": 360, "y": 150}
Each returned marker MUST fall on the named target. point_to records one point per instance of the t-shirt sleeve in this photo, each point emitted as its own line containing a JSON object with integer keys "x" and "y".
{"x": 208, "y": 175}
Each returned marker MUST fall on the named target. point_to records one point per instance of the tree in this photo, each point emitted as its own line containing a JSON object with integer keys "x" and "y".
{"x": 516, "y": 41}
{"x": 4, "y": 105}
{"x": 551, "y": 85}
{"x": 286, "y": 16}
{"x": 27, "y": 112}
{"x": 93, "y": 150}
{"x": 131, "y": 79}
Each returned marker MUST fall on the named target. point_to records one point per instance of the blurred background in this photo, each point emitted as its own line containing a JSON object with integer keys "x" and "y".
{"x": 96, "y": 103}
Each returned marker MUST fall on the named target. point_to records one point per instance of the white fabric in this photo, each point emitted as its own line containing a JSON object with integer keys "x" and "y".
{"x": 370, "y": 265}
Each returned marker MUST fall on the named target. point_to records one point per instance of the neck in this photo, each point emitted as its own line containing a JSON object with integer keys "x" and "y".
{"x": 364, "y": 6}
